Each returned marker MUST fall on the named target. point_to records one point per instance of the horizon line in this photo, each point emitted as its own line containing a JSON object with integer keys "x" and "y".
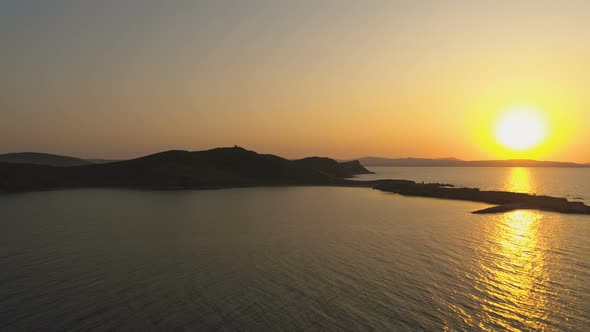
{"x": 312, "y": 155}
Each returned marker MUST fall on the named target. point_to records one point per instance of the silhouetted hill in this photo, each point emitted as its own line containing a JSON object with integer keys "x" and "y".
{"x": 36, "y": 158}
{"x": 331, "y": 167}
{"x": 354, "y": 167}
{"x": 453, "y": 162}
{"x": 42, "y": 159}
{"x": 216, "y": 168}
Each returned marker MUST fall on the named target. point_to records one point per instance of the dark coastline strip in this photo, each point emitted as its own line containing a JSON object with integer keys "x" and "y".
{"x": 505, "y": 201}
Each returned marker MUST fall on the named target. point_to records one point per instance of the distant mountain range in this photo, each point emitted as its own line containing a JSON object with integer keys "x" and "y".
{"x": 454, "y": 162}
{"x": 47, "y": 159}
{"x": 216, "y": 168}
{"x": 36, "y": 158}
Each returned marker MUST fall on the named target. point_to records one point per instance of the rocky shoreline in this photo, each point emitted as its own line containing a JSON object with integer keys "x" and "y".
{"x": 504, "y": 201}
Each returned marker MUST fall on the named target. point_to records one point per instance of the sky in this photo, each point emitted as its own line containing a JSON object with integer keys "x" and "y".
{"x": 344, "y": 79}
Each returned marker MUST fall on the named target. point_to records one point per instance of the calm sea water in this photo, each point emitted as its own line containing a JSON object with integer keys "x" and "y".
{"x": 300, "y": 258}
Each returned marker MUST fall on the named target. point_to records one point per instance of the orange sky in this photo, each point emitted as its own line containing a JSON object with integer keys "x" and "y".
{"x": 342, "y": 79}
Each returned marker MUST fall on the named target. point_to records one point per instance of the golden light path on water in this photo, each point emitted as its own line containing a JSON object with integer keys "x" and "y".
{"x": 514, "y": 280}
{"x": 511, "y": 275}
{"x": 519, "y": 180}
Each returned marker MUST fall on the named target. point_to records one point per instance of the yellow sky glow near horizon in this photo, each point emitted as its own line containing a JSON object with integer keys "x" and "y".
{"x": 341, "y": 79}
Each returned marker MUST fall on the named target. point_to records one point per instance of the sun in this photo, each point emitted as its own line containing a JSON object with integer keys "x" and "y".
{"x": 521, "y": 128}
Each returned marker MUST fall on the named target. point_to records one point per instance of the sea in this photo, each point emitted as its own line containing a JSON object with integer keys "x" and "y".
{"x": 297, "y": 258}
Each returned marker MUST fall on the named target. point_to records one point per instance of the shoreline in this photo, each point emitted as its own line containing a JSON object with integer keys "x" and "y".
{"x": 502, "y": 201}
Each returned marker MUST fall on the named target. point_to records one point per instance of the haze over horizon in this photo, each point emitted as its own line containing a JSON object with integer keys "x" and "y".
{"x": 344, "y": 79}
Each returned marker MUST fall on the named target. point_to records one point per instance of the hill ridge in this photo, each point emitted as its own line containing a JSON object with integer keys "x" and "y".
{"x": 178, "y": 169}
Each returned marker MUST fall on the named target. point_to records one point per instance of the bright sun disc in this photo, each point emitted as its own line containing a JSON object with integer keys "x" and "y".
{"x": 520, "y": 128}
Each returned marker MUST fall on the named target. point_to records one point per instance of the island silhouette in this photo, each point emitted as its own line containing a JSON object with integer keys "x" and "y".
{"x": 233, "y": 167}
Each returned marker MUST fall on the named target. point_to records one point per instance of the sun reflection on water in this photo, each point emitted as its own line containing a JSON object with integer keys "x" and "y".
{"x": 510, "y": 277}
{"x": 519, "y": 180}
{"x": 514, "y": 277}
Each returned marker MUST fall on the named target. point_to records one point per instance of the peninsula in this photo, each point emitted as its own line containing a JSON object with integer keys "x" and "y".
{"x": 504, "y": 201}
{"x": 237, "y": 167}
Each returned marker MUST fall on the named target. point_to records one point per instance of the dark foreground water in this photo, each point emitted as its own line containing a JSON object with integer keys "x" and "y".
{"x": 308, "y": 258}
